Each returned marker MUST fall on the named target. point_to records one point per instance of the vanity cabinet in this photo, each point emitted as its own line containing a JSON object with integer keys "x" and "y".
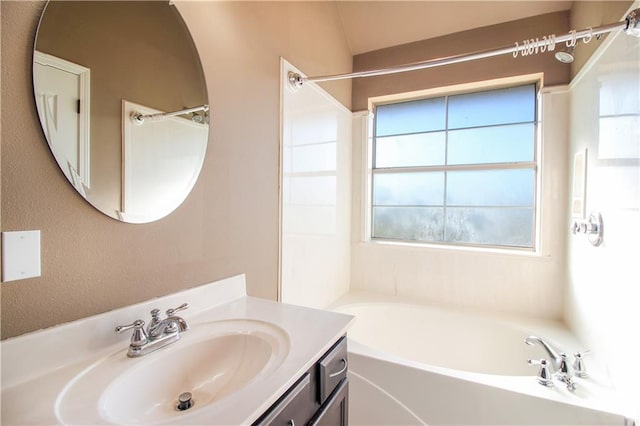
{"x": 319, "y": 397}
{"x": 335, "y": 410}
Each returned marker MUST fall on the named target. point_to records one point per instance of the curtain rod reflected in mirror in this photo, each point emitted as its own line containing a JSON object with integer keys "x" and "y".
{"x": 139, "y": 118}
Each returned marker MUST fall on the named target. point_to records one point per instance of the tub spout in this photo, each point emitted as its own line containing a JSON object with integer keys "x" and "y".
{"x": 554, "y": 355}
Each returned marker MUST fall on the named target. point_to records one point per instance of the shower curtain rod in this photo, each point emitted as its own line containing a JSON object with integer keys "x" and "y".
{"x": 140, "y": 118}
{"x": 631, "y": 26}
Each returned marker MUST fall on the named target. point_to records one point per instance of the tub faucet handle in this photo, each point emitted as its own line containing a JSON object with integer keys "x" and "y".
{"x": 579, "y": 367}
{"x": 564, "y": 365}
{"x": 543, "y": 377}
{"x": 564, "y": 373}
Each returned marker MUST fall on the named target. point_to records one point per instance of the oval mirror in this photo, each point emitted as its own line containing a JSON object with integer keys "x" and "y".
{"x": 122, "y": 101}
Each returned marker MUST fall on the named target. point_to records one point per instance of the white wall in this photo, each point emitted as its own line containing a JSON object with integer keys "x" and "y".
{"x": 523, "y": 283}
{"x": 316, "y": 195}
{"x": 602, "y": 293}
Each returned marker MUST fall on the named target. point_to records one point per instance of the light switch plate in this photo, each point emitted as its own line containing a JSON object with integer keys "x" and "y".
{"x": 20, "y": 255}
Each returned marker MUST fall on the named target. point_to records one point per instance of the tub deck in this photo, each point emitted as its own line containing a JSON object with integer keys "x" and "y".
{"x": 422, "y": 364}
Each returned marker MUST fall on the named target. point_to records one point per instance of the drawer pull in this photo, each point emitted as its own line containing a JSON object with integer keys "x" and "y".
{"x": 337, "y": 373}
{"x": 291, "y": 423}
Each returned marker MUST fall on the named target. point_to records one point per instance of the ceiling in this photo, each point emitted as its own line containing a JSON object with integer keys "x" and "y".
{"x": 373, "y": 25}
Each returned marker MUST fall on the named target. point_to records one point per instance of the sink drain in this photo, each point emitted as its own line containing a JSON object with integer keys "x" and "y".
{"x": 185, "y": 401}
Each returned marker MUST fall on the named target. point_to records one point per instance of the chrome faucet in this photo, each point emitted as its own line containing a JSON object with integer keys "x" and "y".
{"x": 559, "y": 363}
{"x": 158, "y": 334}
{"x": 169, "y": 325}
{"x": 554, "y": 355}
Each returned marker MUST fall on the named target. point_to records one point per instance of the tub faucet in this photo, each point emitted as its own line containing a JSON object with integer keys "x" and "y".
{"x": 558, "y": 361}
{"x": 555, "y": 356}
{"x": 158, "y": 334}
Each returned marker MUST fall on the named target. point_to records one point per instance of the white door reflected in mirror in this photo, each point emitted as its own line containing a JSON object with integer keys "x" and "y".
{"x": 62, "y": 90}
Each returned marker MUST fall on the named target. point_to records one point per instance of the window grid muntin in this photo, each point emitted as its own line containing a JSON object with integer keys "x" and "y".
{"x": 446, "y": 162}
{"x": 533, "y": 165}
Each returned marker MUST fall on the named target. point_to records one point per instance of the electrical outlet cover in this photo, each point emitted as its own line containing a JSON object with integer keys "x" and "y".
{"x": 20, "y": 255}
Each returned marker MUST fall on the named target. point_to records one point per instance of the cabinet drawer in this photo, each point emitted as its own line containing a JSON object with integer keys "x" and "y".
{"x": 295, "y": 407}
{"x": 332, "y": 369}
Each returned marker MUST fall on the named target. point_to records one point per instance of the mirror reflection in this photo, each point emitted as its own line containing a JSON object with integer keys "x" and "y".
{"x": 96, "y": 67}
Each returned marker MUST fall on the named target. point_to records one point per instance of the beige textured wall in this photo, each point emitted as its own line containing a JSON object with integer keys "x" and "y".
{"x": 229, "y": 223}
{"x": 585, "y": 14}
{"x": 459, "y": 43}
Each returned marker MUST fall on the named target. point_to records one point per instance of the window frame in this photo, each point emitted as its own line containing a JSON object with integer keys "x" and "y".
{"x": 535, "y": 164}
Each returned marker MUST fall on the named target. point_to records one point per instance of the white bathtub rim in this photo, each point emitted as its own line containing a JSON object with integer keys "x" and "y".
{"x": 588, "y": 394}
{"x": 361, "y": 298}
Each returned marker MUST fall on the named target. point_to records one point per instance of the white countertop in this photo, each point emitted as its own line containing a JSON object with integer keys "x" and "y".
{"x": 37, "y": 367}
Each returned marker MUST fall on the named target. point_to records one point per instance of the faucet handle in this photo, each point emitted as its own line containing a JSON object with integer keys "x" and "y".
{"x": 172, "y": 311}
{"x": 579, "y": 367}
{"x": 139, "y": 337}
{"x": 563, "y": 374}
{"x": 564, "y": 364}
{"x": 135, "y": 325}
{"x": 544, "y": 377}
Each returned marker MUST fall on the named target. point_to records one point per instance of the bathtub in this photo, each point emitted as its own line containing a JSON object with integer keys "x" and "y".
{"x": 415, "y": 364}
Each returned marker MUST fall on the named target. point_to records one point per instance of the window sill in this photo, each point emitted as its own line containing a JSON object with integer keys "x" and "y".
{"x": 489, "y": 251}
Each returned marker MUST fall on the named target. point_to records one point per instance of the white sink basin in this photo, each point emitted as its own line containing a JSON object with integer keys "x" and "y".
{"x": 212, "y": 361}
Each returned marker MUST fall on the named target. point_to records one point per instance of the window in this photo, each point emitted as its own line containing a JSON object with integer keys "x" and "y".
{"x": 457, "y": 169}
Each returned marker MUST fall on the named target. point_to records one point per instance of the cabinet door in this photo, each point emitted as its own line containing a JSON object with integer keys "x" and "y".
{"x": 335, "y": 411}
{"x": 295, "y": 408}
